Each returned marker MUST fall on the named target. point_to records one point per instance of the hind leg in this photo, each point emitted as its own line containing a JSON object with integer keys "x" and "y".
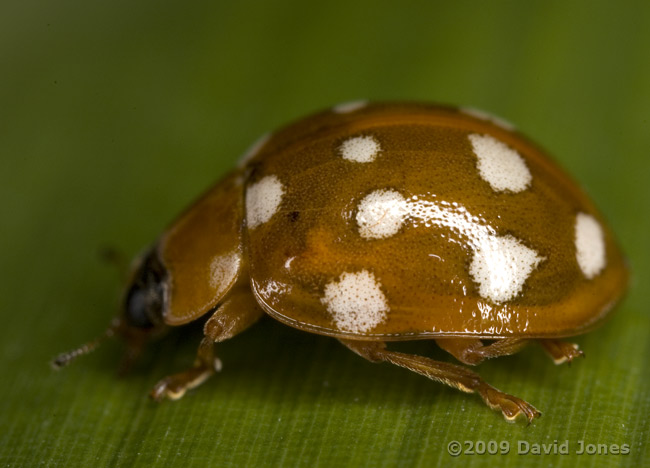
{"x": 448, "y": 374}
{"x": 234, "y": 316}
{"x": 472, "y": 351}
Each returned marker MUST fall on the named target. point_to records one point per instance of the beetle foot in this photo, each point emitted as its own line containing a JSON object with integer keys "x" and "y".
{"x": 510, "y": 406}
{"x": 175, "y": 386}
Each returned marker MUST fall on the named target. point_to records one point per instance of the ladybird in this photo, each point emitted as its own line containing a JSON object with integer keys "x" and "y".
{"x": 373, "y": 223}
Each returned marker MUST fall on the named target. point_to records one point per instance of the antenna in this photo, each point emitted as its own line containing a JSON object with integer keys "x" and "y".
{"x": 66, "y": 358}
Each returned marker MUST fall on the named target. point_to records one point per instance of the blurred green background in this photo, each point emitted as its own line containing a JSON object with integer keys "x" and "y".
{"x": 115, "y": 115}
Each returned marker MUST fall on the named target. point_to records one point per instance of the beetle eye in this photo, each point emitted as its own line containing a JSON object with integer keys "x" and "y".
{"x": 136, "y": 307}
{"x": 144, "y": 301}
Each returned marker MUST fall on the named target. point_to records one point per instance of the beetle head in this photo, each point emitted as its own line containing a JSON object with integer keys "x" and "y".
{"x": 141, "y": 316}
{"x": 144, "y": 298}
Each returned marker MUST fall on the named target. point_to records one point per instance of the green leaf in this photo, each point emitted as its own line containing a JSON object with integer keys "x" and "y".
{"x": 115, "y": 115}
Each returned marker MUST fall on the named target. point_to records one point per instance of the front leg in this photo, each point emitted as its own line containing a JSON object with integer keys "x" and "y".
{"x": 235, "y": 315}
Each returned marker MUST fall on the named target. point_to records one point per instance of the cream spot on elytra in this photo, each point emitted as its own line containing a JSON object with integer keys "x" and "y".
{"x": 499, "y": 165}
{"x": 263, "y": 200}
{"x": 381, "y": 214}
{"x": 356, "y": 302}
{"x": 360, "y": 149}
{"x": 590, "y": 245}
{"x": 482, "y": 115}
{"x": 347, "y": 107}
{"x": 254, "y": 149}
{"x": 501, "y": 266}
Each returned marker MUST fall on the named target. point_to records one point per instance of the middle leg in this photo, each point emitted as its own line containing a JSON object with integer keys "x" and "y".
{"x": 449, "y": 374}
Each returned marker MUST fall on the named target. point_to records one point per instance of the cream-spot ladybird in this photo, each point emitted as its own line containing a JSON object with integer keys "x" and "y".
{"x": 373, "y": 223}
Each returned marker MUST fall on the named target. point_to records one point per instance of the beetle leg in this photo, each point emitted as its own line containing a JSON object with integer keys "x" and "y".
{"x": 448, "y": 374}
{"x": 472, "y": 351}
{"x": 561, "y": 351}
{"x": 175, "y": 386}
{"x": 235, "y": 315}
